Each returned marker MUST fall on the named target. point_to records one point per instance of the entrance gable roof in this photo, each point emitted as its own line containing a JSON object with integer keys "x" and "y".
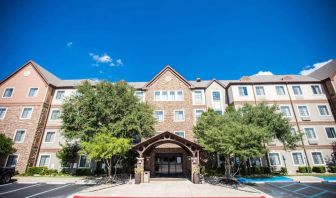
{"x": 168, "y": 68}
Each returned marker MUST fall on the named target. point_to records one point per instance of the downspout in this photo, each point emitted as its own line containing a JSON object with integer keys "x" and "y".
{"x": 297, "y": 124}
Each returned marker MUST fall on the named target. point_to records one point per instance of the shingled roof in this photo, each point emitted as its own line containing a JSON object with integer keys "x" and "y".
{"x": 326, "y": 71}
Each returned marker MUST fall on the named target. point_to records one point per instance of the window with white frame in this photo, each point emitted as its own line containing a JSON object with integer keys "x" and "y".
{"x": 255, "y": 161}
{"x": 157, "y": 95}
{"x": 310, "y": 133}
{"x": 172, "y": 95}
{"x": 260, "y": 91}
{"x": 11, "y": 160}
{"x": 26, "y": 113}
{"x": 180, "y": 133}
{"x": 8, "y": 93}
{"x": 178, "y": 115}
{"x": 168, "y": 95}
{"x": 216, "y": 99}
{"x": 323, "y": 110}
{"x": 159, "y": 115}
{"x": 84, "y": 162}
{"x": 198, "y": 113}
{"x": 243, "y": 91}
{"x": 198, "y": 97}
{"x": 140, "y": 95}
{"x": 293, "y": 131}
{"x": 44, "y": 160}
{"x": 298, "y": 158}
{"x": 55, "y": 114}
{"x": 316, "y": 89}
{"x": 3, "y": 111}
{"x": 60, "y": 94}
{"x": 297, "y": 90}
{"x": 50, "y": 137}
{"x": 317, "y": 158}
{"x": 280, "y": 90}
{"x": 219, "y": 112}
{"x": 285, "y": 110}
{"x": 33, "y": 92}
{"x": 303, "y": 111}
{"x": 330, "y": 132}
{"x": 19, "y": 136}
{"x": 274, "y": 159}
{"x": 164, "y": 96}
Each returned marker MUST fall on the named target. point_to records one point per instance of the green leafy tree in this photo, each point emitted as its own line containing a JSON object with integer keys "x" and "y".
{"x": 6, "y": 145}
{"x": 104, "y": 147}
{"x": 68, "y": 154}
{"x": 237, "y": 135}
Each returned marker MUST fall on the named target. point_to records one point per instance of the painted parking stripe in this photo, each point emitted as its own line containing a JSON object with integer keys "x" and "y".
{"x": 288, "y": 190}
{"x": 48, "y": 190}
{"x": 318, "y": 194}
{"x": 287, "y": 185}
{"x": 19, "y": 189}
{"x": 6, "y": 184}
{"x": 301, "y": 188}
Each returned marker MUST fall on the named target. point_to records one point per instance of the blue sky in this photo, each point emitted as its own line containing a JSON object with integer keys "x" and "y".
{"x": 133, "y": 40}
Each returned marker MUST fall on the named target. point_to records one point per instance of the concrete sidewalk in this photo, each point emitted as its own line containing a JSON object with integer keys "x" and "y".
{"x": 170, "y": 189}
{"x": 50, "y": 180}
{"x": 306, "y": 179}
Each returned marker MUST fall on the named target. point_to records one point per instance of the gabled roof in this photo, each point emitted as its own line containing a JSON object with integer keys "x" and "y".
{"x": 168, "y": 68}
{"x": 47, "y": 76}
{"x": 326, "y": 71}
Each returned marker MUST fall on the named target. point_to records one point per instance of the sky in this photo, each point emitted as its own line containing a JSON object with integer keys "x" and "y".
{"x": 133, "y": 40}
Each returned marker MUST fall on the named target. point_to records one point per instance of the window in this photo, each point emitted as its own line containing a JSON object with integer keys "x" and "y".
{"x": 179, "y": 133}
{"x": 310, "y": 133}
{"x": 303, "y": 111}
{"x": 330, "y": 132}
{"x": 84, "y": 162}
{"x": 255, "y": 161}
{"x": 216, "y": 96}
{"x": 157, "y": 96}
{"x": 19, "y": 136}
{"x": 198, "y": 97}
{"x": 26, "y": 112}
{"x": 140, "y": 95}
{"x": 316, "y": 89}
{"x": 44, "y": 160}
{"x": 172, "y": 95}
{"x": 60, "y": 95}
{"x": 159, "y": 115}
{"x": 11, "y": 160}
{"x": 323, "y": 110}
{"x": 8, "y": 93}
{"x": 32, "y": 92}
{"x": 260, "y": 90}
{"x": 50, "y": 136}
{"x": 198, "y": 113}
{"x": 179, "y": 116}
{"x": 274, "y": 159}
{"x": 55, "y": 114}
{"x": 285, "y": 111}
{"x": 298, "y": 158}
{"x": 243, "y": 91}
{"x": 293, "y": 131}
{"x": 219, "y": 112}
{"x": 280, "y": 90}
{"x": 317, "y": 158}
{"x": 3, "y": 111}
{"x": 179, "y": 95}
{"x": 164, "y": 96}
{"x": 297, "y": 90}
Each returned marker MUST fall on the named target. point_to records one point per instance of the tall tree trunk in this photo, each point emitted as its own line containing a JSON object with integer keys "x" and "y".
{"x": 227, "y": 167}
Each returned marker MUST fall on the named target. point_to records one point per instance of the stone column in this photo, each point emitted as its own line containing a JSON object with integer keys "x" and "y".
{"x": 141, "y": 167}
{"x": 194, "y": 169}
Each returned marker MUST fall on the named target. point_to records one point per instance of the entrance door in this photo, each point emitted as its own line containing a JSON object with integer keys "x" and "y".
{"x": 168, "y": 165}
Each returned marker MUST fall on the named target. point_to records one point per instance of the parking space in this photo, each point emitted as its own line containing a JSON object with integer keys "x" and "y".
{"x": 300, "y": 190}
{"x": 36, "y": 190}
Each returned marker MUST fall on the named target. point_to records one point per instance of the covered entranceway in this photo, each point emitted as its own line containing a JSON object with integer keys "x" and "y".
{"x": 168, "y": 155}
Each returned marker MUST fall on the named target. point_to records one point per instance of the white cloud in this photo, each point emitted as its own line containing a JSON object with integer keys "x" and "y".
{"x": 105, "y": 58}
{"x": 309, "y": 69}
{"x": 69, "y": 44}
{"x": 119, "y": 62}
{"x": 101, "y": 71}
{"x": 263, "y": 73}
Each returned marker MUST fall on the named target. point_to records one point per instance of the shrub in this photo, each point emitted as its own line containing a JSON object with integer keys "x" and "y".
{"x": 284, "y": 171}
{"x": 304, "y": 169}
{"x": 332, "y": 169}
{"x": 83, "y": 172}
{"x": 260, "y": 170}
{"x": 319, "y": 169}
{"x": 38, "y": 170}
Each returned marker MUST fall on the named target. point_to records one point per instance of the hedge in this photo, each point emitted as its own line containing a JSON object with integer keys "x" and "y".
{"x": 260, "y": 170}
{"x": 39, "y": 170}
{"x": 319, "y": 169}
{"x": 304, "y": 169}
{"x": 332, "y": 169}
{"x": 83, "y": 172}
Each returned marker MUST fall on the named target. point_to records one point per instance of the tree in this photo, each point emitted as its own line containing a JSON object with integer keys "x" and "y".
{"x": 104, "y": 146}
{"x": 242, "y": 133}
{"x": 106, "y": 110}
{"x": 68, "y": 154}
{"x": 6, "y": 145}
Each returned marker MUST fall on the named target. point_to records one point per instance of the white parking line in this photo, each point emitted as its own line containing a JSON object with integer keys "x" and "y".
{"x": 19, "y": 189}
{"x": 6, "y": 184}
{"x": 48, "y": 191}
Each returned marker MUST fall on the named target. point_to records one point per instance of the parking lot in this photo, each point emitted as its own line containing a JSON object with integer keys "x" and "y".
{"x": 295, "y": 189}
{"x": 18, "y": 190}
